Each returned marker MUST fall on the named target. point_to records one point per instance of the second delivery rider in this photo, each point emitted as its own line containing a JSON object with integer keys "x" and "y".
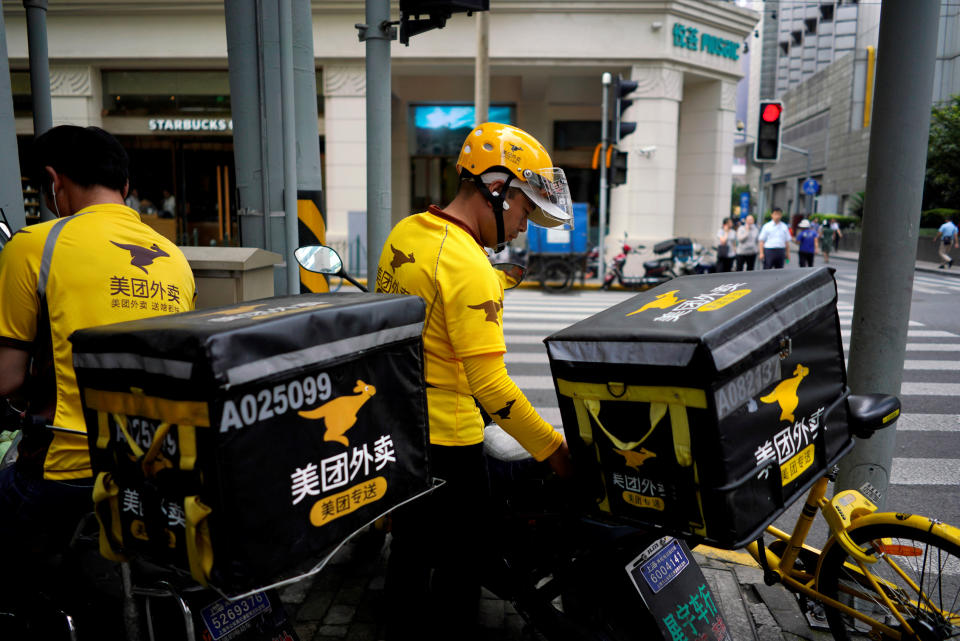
{"x": 506, "y": 179}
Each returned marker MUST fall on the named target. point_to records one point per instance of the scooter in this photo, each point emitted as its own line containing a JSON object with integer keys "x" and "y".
{"x": 655, "y": 272}
{"x": 563, "y": 571}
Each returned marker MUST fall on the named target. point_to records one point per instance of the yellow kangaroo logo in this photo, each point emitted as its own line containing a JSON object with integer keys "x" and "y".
{"x": 663, "y": 301}
{"x": 635, "y": 459}
{"x": 785, "y": 393}
{"x": 340, "y": 414}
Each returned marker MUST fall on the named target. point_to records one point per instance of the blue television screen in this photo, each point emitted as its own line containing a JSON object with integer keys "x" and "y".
{"x": 439, "y": 130}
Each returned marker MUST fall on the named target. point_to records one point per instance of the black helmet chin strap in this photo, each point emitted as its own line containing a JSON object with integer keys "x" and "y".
{"x": 497, "y": 202}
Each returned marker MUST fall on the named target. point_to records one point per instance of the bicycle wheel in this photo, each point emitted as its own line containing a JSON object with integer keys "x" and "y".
{"x": 557, "y": 276}
{"x": 917, "y": 570}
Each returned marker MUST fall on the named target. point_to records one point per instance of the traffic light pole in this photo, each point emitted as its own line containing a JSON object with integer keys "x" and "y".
{"x": 895, "y": 170}
{"x": 606, "y": 79}
{"x": 805, "y": 152}
{"x": 377, "y": 35}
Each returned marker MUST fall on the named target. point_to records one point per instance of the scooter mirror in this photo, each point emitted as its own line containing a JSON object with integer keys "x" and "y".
{"x": 319, "y": 259}
{"x": 510, "y": 273}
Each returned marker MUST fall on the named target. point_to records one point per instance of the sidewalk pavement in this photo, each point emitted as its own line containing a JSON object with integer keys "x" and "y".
{"x": 345, "y": 600}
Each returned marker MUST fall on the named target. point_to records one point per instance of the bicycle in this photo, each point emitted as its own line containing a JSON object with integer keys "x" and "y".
{"x": 884, "y": 574}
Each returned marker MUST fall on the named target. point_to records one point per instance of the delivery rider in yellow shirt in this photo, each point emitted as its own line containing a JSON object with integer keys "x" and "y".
{"x": 95, "y": 264}
{"x": 507, "y": 179}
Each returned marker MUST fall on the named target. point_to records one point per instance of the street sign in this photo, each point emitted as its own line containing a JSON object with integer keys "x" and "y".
{"x": 811, "y": 186}
{"x": 744, "y": 204}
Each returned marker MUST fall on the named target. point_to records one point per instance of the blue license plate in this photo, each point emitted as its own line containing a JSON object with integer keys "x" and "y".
{"x": 664, "y": 566}
{"x": 223, "y": 616}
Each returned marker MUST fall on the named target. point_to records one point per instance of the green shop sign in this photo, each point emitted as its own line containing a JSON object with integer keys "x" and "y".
{"x": 688, "y": 38}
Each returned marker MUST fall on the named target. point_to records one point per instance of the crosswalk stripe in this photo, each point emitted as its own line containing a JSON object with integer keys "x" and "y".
{"x": 924, "y": 471}
{"x": 929, "y": 389}
{"x": 931, "y": 365}
{"x": 546, "y": 327}
{"x": 915, "y": 333}
{"x": 524, "y": 339}
{"x": 530, "y": 383}
{"x": 923, "y": 347}
{"x": 545, "y": 315}
{"x": 540, "y": 358}
{"x": 929, "y": 423}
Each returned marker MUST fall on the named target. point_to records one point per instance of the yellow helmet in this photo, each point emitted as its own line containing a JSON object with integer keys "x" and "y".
{"x": 495, "y": 151}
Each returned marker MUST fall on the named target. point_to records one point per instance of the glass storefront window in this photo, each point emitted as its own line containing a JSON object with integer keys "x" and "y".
{"x": 161, "y": 93}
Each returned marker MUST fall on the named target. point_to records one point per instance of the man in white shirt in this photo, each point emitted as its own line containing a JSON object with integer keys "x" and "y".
{"x": 947, "y": 236}
{"x": 773, "y": 244}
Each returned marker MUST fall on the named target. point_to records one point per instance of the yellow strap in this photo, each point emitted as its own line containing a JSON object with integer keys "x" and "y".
{"x": 199, "y": 548}
{"x": 687, "y": 396}
{"x": 681, "y": 434}
{"x": 107, "y": 510}
{"x": 103, "y": 430}
{"x": 187, "y": 439}
{"x": 150, "y": 465}
{"x": 593, "y": 406}
{"x": 122, "y": 424}
{"x": 677, "y": 399}
{"x": 163, "y": 409}
{"x": 583, "y": 422}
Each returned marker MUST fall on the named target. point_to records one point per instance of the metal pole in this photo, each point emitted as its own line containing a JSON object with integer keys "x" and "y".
{"x": 605, "y": 81}
{"x": 11, "y": 191}
{"x": 809, "y": 196}
{"x": 481, "y": 76}
{"x": 378, "y": 34}
{"x": 895, "y": 170}
{"x": 243, "y": 59}
{"x": 39, "y": 76}
{"x": 761, "y": 198}
{"x": 312, "y": 228}
{"x": 289, "y": 117}
{"x": 39, "y": 65}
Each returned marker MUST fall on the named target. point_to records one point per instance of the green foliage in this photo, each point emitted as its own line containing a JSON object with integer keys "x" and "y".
{"x": 936, "y": 217}
{"x": 855, "y": 205}
{"x": 942, "y": 183}
{"x": 844, "y": 221}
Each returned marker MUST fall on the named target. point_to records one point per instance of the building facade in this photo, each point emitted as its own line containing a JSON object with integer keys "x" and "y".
{"x": 155, "y": 74}
{"x": 819, "y": 58}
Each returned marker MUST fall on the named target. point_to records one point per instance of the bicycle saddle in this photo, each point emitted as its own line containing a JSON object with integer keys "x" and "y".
{"x": 871, "y": 412}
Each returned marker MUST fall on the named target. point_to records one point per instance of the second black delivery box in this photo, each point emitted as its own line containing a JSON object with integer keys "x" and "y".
{"x": 244, "y": 443}
{"x": 706, "y": 405}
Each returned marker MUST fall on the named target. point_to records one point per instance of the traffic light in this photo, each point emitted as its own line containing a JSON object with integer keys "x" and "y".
{"x": 767, "y": 147}
{"x": 618, "y": 167}
{"x": 623, "y": 88}
{"x": 418, "y": 16}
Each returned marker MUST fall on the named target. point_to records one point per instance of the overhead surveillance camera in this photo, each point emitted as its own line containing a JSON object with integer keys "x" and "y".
{"x": 647, "y": 150}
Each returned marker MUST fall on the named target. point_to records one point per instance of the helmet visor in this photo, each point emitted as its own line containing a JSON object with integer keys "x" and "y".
{"x": 549, "y": 191}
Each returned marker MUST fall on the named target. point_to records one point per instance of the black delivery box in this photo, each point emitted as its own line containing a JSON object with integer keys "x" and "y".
{"x": 706, "y": 405}
{"x": 244, "y": 443}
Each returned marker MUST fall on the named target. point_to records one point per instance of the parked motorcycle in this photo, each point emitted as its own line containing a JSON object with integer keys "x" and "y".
{"x": 655, "y": 272}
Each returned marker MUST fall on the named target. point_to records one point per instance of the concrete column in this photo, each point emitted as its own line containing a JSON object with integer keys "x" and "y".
{"x": 76, "y": 96}
{"x": 707, "y": 126}
{"x": 644, "y": 206}
{"x": 345, "y": 108}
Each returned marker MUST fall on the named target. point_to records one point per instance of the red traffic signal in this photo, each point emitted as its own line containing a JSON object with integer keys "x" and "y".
{"x": 771, "y": 111}
{"x": 767, "y": 146}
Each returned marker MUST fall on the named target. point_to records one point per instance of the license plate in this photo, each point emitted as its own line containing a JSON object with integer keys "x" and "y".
{"x": 664, "y": 566}
{"x": 223, "y": 617}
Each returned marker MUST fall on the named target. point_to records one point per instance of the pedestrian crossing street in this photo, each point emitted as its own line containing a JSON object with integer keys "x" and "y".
{"x": 928, "y": 442}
